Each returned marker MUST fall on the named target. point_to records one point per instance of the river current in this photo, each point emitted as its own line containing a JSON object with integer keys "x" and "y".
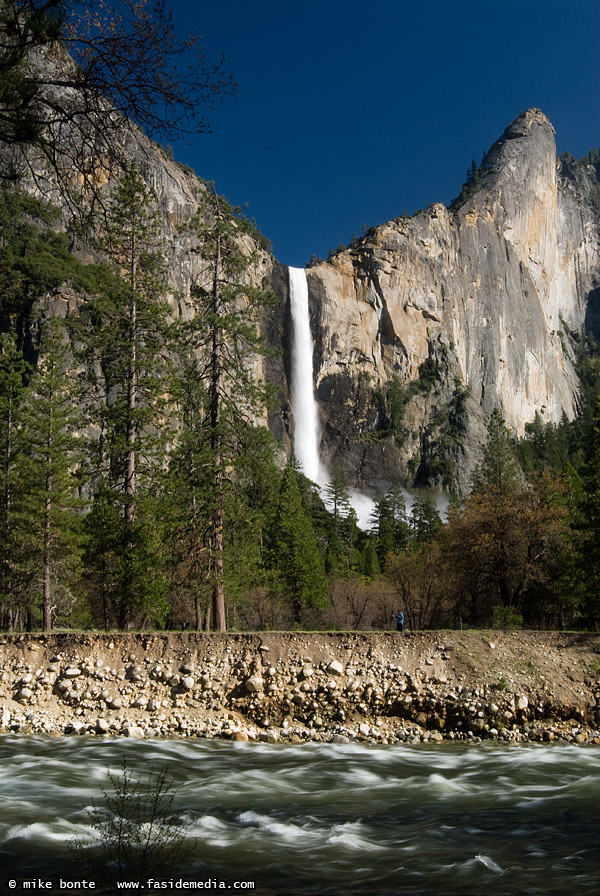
{"x": 345, "y": 820}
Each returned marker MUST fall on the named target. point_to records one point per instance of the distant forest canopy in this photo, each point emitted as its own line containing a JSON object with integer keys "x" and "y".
{"x": 136, "y": 492}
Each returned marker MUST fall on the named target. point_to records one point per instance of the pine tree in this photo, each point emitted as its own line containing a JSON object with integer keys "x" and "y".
{"x": 370, "y": 560}
{"x": 396, "y": 507}
{"x": 295, "y": 557}
{"x": 389, "y": 523}
{"x": 251, "y": 500}
{"x": 425, "y": 519}
{"x": 225, "y": 334}
{"x": 186, "y": 487}
{"x": 48, "y": 509}
{"x": 343, "y": 528}
{"x": 336, "y": 496}
{"x": 589, "y": 547}
{"x": 102, "y": 527}
{"x": 500, "y": 469}
{"x": 124, "y": 564}
{"x": 131, "y": 334}
{"x": 125, "y": 334}
{"x": 381, "y": 528}
{"x": 13, "y": 370}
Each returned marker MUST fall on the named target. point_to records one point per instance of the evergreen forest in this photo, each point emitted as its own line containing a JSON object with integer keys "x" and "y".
{"x": 139, "y": 488}
{"x": 138, "y": 492}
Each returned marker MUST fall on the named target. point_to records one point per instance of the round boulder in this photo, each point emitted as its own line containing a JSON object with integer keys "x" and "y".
{"x": 254, "y": 685}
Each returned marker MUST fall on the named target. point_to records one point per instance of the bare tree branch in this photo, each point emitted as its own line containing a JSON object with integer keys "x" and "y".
{"x": 78, "y": 78}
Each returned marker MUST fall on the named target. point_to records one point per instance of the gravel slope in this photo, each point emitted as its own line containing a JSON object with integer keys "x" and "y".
{"x": 374, "y": 686}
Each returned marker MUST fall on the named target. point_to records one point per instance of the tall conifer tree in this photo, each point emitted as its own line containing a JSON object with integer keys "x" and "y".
{"x": 12, "y": 386}
{"x": 295, "y": 557}
{"x": 589, "y": 546}
{"x": 125, "y": 332}
{"x": 343, "y": 527}
{"x": 226, "y": 335}
{"x": 47, "y": 465}
{"x": 389, "y": 523}
{"x": 425, "y": 519}
{"x": 500, "y": 469}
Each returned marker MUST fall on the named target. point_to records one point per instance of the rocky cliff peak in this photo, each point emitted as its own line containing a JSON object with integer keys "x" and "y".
{"x": 521, "y": 163}
{"x": 427, "y": 324}
{"x": 530, "y": 132}
{"x": 464, "y": 310}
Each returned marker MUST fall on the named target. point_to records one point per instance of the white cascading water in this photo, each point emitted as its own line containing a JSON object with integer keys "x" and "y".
{"x": 304, "y": 405}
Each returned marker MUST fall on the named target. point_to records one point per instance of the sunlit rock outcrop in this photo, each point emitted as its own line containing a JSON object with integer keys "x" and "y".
{"x": 482, "y": 296}
{"x": 426, "y": 324}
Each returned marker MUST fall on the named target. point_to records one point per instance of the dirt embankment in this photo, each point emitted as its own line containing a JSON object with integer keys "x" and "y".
{"x": 383, "y": 687}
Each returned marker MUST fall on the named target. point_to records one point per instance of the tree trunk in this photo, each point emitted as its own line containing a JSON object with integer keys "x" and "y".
{"x": 47, "y": 605}
{"x": 216, "y": 438}
{"x": 297, "y": 611}
{"x": 218, "y": 601}
{"x": 6, "y": 565}
{"x": 105, "y": 595}
{"x": 131, "y": 398}
{"x": 47, "y": 570}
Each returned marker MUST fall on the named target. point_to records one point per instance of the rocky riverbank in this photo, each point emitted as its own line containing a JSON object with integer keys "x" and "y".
{"x": 373, "y": 686}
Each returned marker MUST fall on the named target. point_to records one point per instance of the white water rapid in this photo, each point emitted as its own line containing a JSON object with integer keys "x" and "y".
{"x": 304, "y": 405}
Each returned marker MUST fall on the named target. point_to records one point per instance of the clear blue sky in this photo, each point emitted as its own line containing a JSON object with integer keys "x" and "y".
{"x": 350, "y": 113}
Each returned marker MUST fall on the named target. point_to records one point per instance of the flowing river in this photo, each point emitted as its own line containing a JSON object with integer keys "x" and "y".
{"x": 315, "y": 818}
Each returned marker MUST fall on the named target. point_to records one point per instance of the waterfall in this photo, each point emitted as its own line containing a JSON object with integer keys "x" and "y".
{"x": 307, "y": 434}
{"x": 304, "y": 405}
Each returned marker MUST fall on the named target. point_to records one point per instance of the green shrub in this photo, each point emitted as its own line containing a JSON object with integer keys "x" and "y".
{"x": 507, "y": 618}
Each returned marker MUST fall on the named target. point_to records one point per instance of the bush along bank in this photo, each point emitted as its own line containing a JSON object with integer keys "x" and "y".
{"x": 420, "y": 687}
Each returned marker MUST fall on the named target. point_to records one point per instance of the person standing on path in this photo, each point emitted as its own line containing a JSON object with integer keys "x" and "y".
{"x": 399, "y": 617}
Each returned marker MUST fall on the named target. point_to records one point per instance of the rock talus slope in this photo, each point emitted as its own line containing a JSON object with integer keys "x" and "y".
{"x": 380, "y": 686}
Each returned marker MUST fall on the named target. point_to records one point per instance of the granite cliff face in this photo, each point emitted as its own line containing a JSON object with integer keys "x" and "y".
{"x": 426, "y": 324}
{"x": 464, "y": 309}
{"x": 176, "y": 193}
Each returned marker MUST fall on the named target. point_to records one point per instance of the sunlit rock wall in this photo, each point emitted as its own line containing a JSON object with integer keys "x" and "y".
{"x": 489, "y": 290}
